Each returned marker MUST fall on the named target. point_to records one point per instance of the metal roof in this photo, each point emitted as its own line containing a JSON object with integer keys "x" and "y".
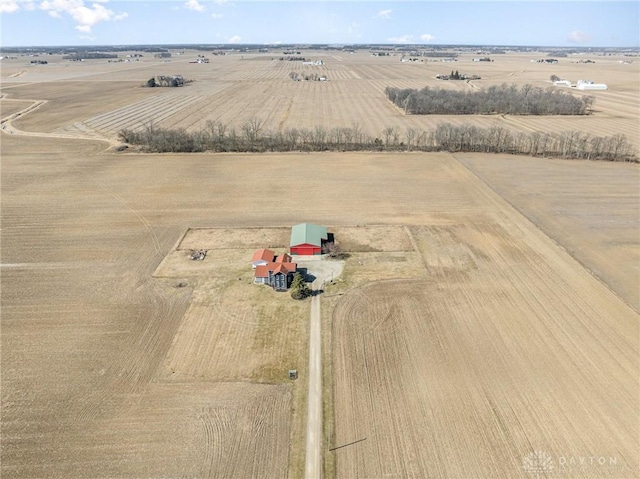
{"x": 262, "y": 271}
{"x": 307, "y": 233}
{"x": 263, "y": 255}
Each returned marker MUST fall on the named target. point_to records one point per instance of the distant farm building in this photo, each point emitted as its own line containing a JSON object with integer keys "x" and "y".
{"x": 275, "y": 271}
{"x": 307, "y": 239}
{"x": 589, "y": 85}
{"x": 562, "y": 83}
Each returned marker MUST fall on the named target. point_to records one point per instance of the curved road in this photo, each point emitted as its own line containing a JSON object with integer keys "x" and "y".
{"x": 8, "y": 128}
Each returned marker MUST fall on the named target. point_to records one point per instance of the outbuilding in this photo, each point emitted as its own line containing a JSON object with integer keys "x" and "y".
{"x": 307, "y": 239}
{"x": 589, "y": 85}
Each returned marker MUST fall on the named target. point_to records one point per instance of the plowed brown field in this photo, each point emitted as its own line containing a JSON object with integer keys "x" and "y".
{"x": 475, "y": 332}
{"x": 102, "y": 97}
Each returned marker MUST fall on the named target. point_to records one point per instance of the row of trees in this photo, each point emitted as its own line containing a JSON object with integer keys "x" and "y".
{"x": 295, "y": 76}
{"x": 457, "y": 76}
{"x": 503, "y": 99}
{"x": 164, "y": 80}
{"x": 253, "y": 137}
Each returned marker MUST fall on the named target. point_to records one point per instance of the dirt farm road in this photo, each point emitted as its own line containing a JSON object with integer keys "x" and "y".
{"x": 8, "y": 128}
{"x": 313, "y": 458}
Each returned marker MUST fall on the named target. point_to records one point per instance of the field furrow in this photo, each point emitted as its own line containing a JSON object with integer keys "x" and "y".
{"x": 485, "y": 311}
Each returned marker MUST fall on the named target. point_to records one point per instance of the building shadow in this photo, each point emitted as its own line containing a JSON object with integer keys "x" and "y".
{"x": 308, "y": 277}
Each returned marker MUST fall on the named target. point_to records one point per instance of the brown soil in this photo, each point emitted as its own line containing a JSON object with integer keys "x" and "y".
{"x": 506, "y": 336}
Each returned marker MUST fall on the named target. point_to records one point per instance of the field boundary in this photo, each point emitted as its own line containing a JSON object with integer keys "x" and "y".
{"x": 544, "y": 233}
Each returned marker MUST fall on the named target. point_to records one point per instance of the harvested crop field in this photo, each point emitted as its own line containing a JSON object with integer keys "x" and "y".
{"x": 470, "y": 328}
{"x": 103, "y": 98}
{"x": 587, "y": 208}
{"x": 488, "y": 355}
{"x": 466, "y": 372}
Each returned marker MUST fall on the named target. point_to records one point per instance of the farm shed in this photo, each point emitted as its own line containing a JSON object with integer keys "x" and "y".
{"x": 262, "y": 257}
{"x": 589, "y": 85}
{"x": 307, "y": 239}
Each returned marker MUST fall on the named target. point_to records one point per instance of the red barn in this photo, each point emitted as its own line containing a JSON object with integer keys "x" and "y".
{"x": 306, "y": 239}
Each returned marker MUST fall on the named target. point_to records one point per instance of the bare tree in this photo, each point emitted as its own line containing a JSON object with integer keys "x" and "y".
{"x": 319, "y": 137}
{"x": 233, "y": 139}
{"x": 333, "y": 250}
{"x": 336, "y": 135}
{"x": 292, "y": 136}
{"x": 251, "y": 130}
{"x": 410, "y": 135}
{"x": 306, "y": 136}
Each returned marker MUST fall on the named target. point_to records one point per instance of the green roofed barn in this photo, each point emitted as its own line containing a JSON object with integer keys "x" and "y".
{"x": 307, "y": 238}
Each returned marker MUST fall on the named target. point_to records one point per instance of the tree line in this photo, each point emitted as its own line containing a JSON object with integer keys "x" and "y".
{"x": 252, "y": 136}
{"x": 295, "y": 76}
{"x": 503, "y": 99}
{"x": 164, "y": 80}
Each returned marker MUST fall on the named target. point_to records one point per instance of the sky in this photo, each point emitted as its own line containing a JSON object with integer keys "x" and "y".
{"x": 585, "y": 23}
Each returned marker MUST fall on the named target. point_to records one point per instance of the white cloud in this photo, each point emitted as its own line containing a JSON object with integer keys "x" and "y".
{"x": 194, "y": 5}
{"x": 426, "y": 37}
{"x": 402, "y": 39}
{"x": 234, "y": 39}
{"x": 216, "y": 15}
{"x": 9, "y": 6}
{"x": 84, "y": 16}
{"x": 386, "y": 14}
{"x": 579, "y": 37}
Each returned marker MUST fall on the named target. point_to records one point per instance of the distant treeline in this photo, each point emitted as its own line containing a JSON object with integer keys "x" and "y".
{"x": 436, "y": 54}
{"x": 89, "y": 56}
{"x": 503, "y": 99}
{"x": 295, "y": 76}
{"x": 252, "y": 137}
